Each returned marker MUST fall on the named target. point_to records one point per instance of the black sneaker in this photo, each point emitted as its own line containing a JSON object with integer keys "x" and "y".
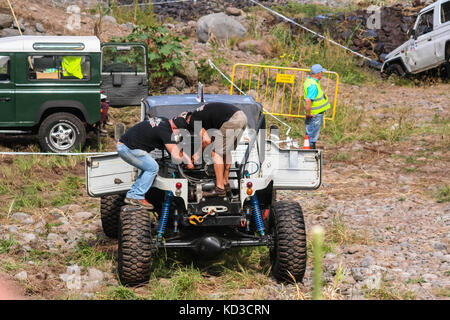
{"x": 141, "y": 203}
{"x": 228, "y": 190}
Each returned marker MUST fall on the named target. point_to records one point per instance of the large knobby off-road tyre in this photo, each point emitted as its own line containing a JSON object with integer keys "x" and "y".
{"x": 395, "y": 68}
{"x": 62, "y": 132}
{"x": 110, "y": 207}
{"x": 288, "y": 255}
{"x": 136, "y": 245}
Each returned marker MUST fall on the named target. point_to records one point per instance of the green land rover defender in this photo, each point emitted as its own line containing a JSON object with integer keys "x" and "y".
{"x": 50, "y": 86}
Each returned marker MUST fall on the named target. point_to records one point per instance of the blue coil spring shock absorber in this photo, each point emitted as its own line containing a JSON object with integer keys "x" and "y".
{"x": 164, "y": 214}
{"x": 258, "y": 215}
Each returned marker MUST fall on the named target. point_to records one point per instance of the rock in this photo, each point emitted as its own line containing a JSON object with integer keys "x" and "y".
{"x": 21, "y": 276}
{"x": 39, "y": 27}
{"x": 352, "y": 249}
{"x": 72, "y": 277}
{"x": 73, "y": 9}
{"x": 54, "y": 241}
{"x": 28, "y": 221}
{"x": 374, "y": 281}
{"x": 179, "y": 83}
{"x": 222, "y": 26}
{"x": 172, "y": 91}
{"x": 95, "y": 275}
{"x": 63, "y": 220}
{"x": 256, "y": 46}
{"x": 6, "y": 20}
{"x": 189, "y": 71}
{"x": 53, "y": 237}
{"x": 429, "y": 277}
{"x": 233, "y": 11}
{"x": 440, "y": 246}
{"x": 330, "y": 256}
{"x": 20, "y": 216}
{"x": 359, "y": 274}
{"x": 109, "y": 19}
{"x": 56, "y": 213}
{"x": 40, "y": 228}
{"x": 29, "y": 237}
{"x": 81, "y": 216}
{"x": 21, "y": 24}
{"x": 370, "y": 33}
{"x": 13, "y": 229}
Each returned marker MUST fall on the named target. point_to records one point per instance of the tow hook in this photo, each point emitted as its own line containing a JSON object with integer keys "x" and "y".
{"x": 195, "y": 219}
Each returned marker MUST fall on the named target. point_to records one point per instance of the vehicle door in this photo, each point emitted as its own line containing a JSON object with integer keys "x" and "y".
{"x": 7, "y": 91}
{"x": 124, "y": 73}
{"x": 443, "y": 32}
{"x": 422, "y": 49}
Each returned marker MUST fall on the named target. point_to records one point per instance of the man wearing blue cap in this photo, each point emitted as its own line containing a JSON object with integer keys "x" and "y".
{"x": 316, "y": 103}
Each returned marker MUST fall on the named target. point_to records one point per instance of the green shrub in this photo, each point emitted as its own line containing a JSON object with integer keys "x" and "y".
{"x": 165, "y": 53}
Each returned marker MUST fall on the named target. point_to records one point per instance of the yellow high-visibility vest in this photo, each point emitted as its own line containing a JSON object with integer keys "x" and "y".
{"x": 72, "y": 66}
{"x": 320, "y": 103}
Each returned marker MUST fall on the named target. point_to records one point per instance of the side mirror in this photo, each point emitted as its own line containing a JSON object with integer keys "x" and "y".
{"x": 411, "y": 33}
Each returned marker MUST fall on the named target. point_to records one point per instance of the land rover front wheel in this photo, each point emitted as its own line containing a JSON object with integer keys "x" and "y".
{"x": 396, "y": 69}
{"x": 136, "y": 245}
{"x": 62, "y": 132}
{"x": 288, "y": 255}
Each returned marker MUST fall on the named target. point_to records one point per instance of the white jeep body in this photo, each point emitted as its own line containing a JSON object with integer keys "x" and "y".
{"x": 286, "y": 168}
{"x": 429, "y": 43}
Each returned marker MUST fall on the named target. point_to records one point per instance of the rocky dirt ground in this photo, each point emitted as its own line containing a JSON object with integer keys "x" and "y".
{"x": 387, "y": 230}
{"x": 384, "y": 203}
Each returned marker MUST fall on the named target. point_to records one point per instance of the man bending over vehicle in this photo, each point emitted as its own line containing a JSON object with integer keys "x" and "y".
{"x": 230, "y": 123}
{"x": 134, "y": 147}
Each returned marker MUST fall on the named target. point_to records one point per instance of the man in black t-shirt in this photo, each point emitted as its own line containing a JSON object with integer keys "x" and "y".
{"x": 227, "y": 124}
{"x": 134, "y": 147}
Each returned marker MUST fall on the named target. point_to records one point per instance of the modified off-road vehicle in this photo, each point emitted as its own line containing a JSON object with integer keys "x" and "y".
{"x": 184, "y": 218}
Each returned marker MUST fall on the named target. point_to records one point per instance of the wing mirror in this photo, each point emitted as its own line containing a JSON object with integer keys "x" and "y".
{"x": 411, "y": 33}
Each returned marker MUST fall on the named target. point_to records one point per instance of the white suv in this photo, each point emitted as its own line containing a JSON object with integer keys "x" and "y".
{"x": 428, "y": 46}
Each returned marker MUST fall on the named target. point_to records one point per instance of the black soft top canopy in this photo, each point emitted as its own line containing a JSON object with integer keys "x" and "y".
{"x": 171, "y": 106}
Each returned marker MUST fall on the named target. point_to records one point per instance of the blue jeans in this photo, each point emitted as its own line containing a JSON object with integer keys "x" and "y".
{"x": 313, "y": 126}
{"x": 141, "y": 160}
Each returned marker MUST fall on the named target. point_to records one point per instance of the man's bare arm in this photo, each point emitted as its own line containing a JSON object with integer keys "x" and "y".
{"x": 206, "y": 140}
{"x": 179, "y": 155}
{"x": 308, "y": 108}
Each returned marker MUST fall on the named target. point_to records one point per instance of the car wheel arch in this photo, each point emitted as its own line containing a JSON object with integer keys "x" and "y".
{"x": 50, "y": 107}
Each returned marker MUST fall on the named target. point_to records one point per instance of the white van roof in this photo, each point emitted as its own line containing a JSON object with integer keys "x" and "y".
{"x": 50, "y": 43}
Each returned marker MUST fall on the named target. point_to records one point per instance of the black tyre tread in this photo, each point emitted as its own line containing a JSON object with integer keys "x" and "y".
{"x": 136, "y": 246}
{"x": 54, "y": 118}
{"x": 397, "y": 69}
{"x": 289, "y": 253}
{"x": 110, "y": 207}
